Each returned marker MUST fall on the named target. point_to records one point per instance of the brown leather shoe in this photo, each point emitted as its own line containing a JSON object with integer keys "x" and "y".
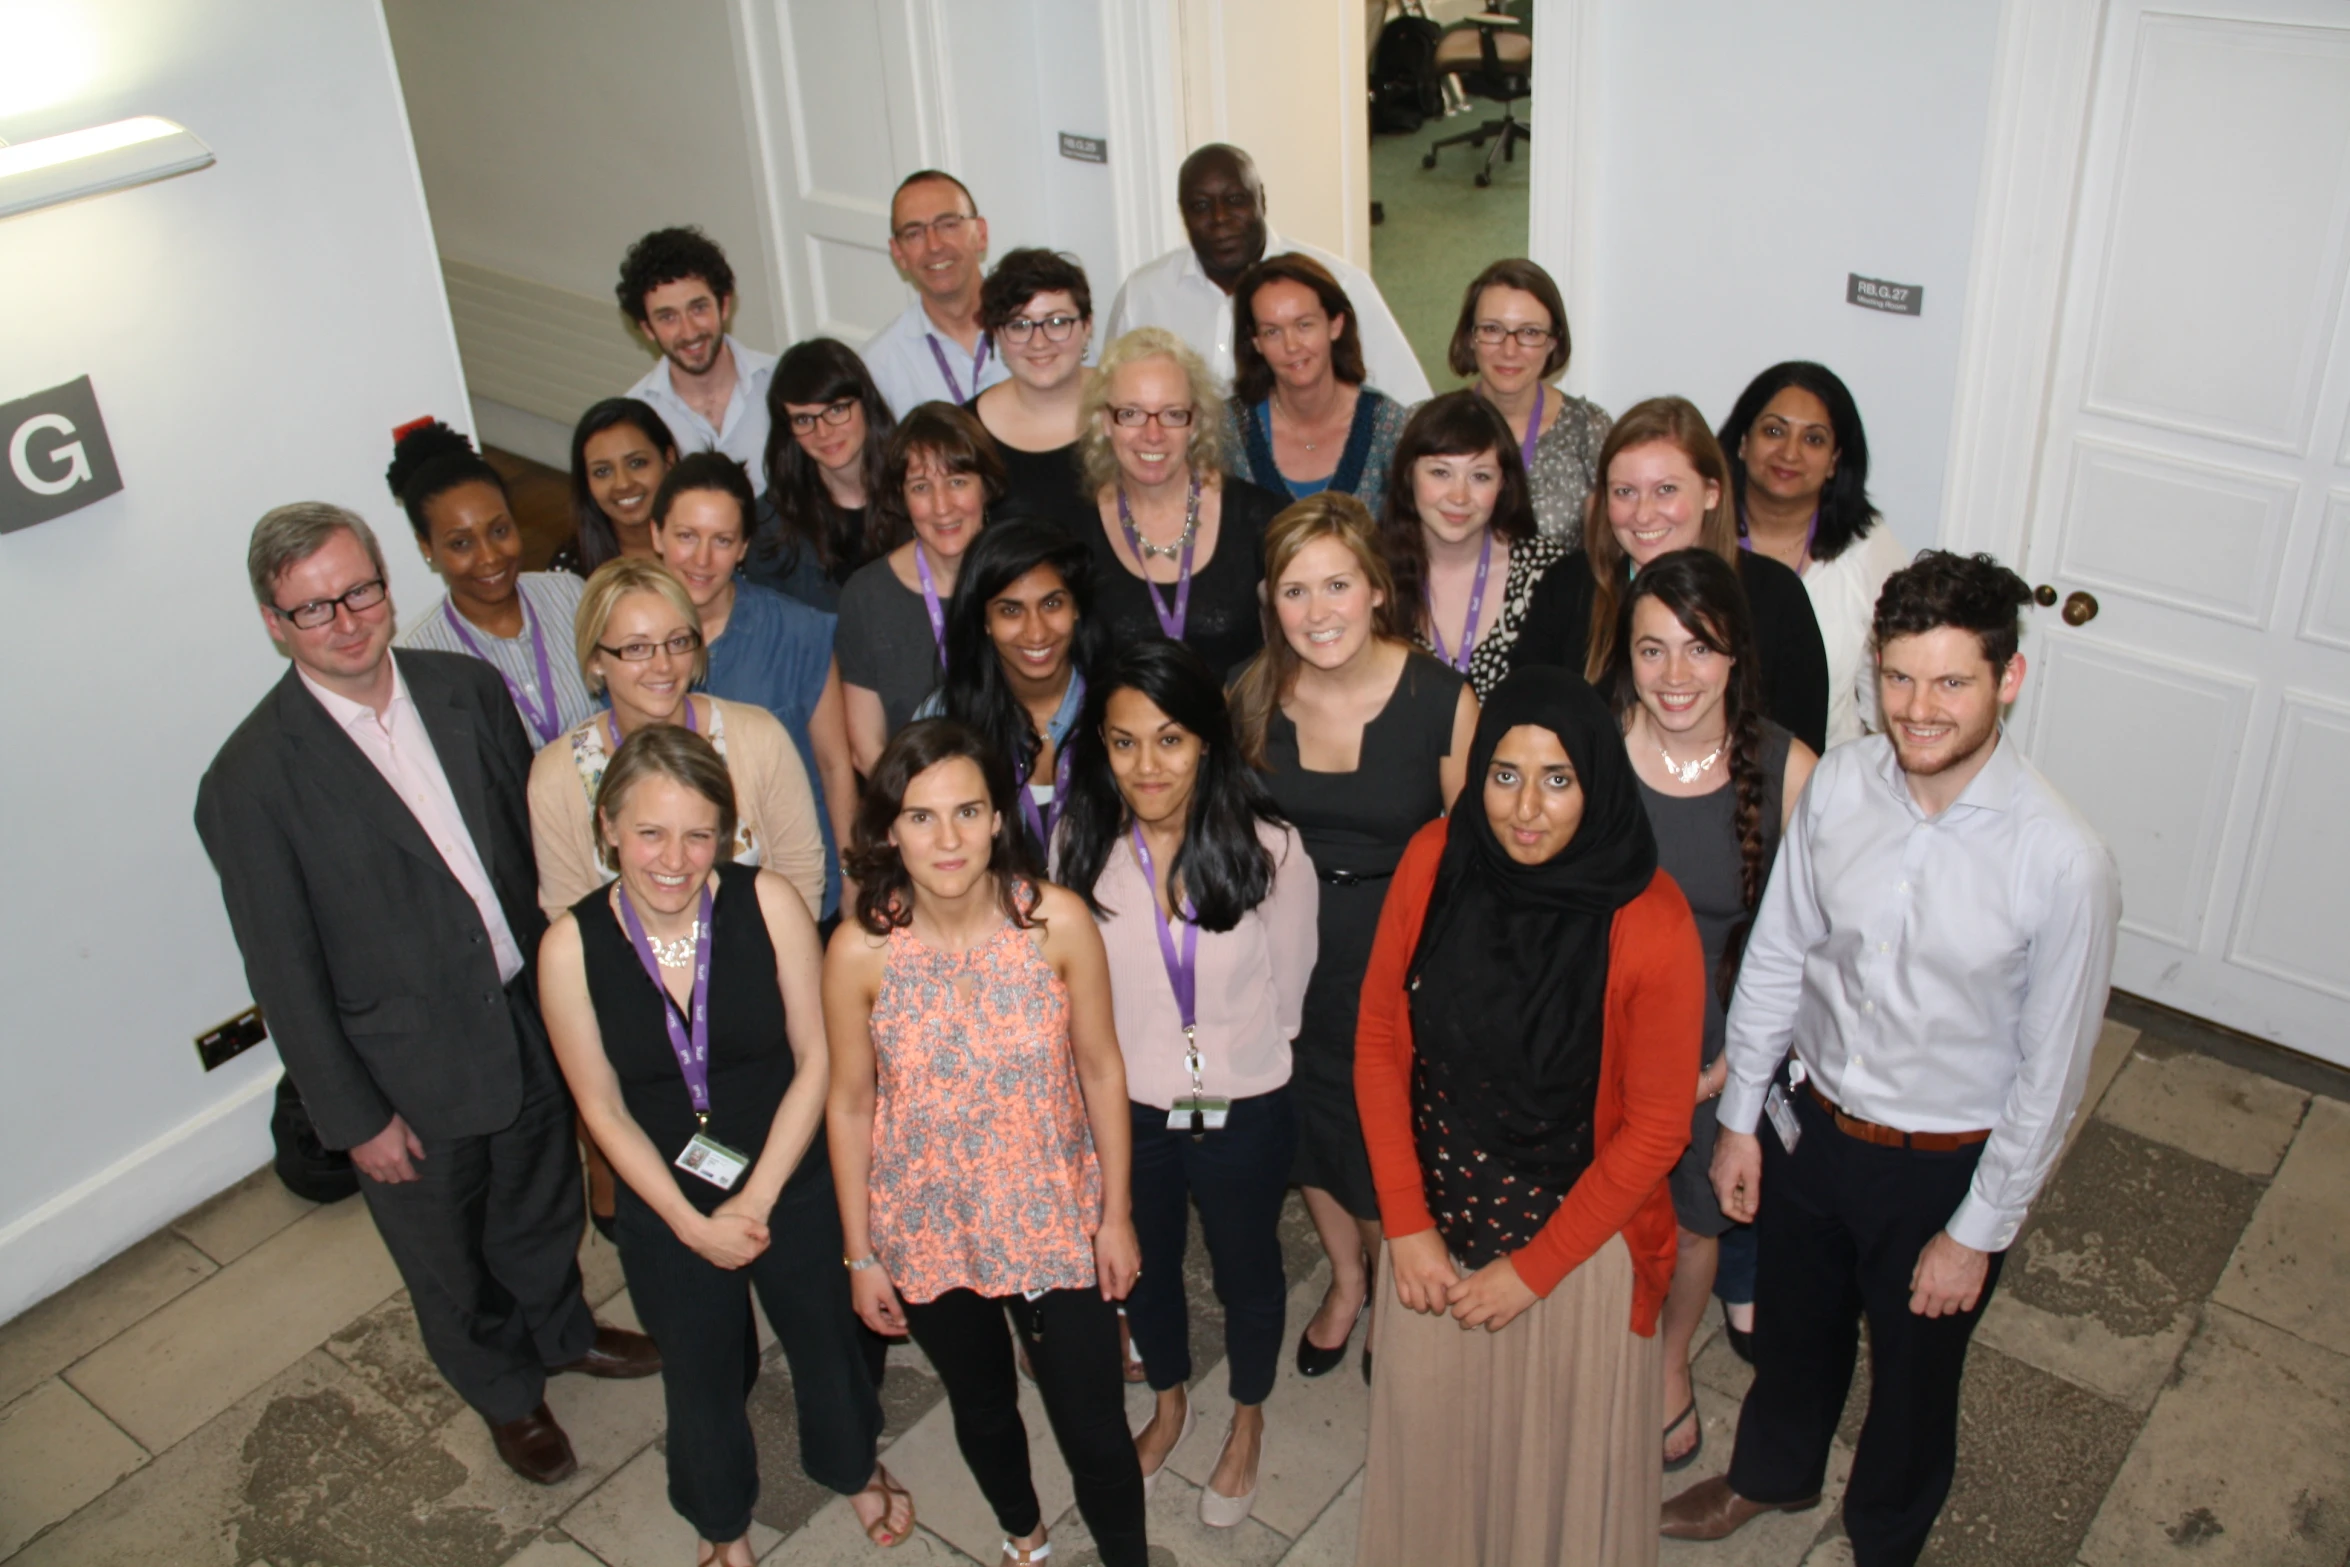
{"x": 1710, "y": 1510}
{"x": 617, "y": 1353}
{"x": 535, "y": 1447}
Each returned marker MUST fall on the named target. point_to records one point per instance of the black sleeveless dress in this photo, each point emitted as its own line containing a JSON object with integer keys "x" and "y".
{"x": 750, "y": 1060}
{"x": 1355, "y": 826}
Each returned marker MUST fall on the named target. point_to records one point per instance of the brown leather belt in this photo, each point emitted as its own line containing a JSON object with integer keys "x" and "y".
{"x": 1893, "y": 1137}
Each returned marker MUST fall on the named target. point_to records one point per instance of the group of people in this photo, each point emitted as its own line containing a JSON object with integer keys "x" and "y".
{"x": 1133, "y": 782}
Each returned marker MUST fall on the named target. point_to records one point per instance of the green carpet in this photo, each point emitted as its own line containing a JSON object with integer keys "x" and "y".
{"x": 1441, "y": 229}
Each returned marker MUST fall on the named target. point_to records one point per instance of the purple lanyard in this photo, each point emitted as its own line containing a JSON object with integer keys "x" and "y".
{"x": 1810, "y": 534}
{"x": 978, "y": 361}
{"x": 693, "y": 1052}
{"x": 612, "y": 722}
{"x": 1476, "y": 605}
{"x": 1182, "y": 971}
{"x": 1533, "y": 427}
{"x": 545, "y": 722}
{"x": 1042, "y": 820}
{"x": 938, "y": 614}
{"x": 1170, "y": 623}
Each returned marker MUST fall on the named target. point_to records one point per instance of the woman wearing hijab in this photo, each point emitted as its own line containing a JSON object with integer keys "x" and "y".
{"x": 1526, "y": 1062}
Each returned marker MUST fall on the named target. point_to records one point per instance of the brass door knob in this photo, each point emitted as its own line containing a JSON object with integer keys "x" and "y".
{"x": 2044, "y": 595}
{"x": 2079, "y": 609}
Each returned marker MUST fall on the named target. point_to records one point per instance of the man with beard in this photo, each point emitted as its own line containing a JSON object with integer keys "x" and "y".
{"x": 1189, "y": 291}
{"x": 711, "y": 390}
{"x": 1935, "y": 944}
{"x": 936, "y": 351}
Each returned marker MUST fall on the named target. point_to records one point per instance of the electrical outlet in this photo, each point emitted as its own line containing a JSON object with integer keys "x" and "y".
{"x": 231, "y": 1039}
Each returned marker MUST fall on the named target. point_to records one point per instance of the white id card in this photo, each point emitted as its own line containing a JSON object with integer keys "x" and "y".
{"x": 1212, "y": 1113}
{"x": 1782, "y": 1116}
{"x": 713, "y": 1161}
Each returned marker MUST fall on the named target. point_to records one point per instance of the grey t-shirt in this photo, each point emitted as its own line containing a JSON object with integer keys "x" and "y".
{"x": 883, "y": 641}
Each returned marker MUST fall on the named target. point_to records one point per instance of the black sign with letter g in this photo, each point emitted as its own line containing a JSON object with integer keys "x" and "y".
{"x": 58, "y": 456}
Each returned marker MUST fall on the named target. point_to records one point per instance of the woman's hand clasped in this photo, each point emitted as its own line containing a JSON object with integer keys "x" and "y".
{"x": 730, "y": 1237}
{"x": 1491, "y": 1298}
{"x": 1424, "y": 1274}
{"x": 1117, "y": 1258}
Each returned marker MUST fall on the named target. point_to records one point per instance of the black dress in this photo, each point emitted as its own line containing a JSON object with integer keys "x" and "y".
{"x": 1224, "y": 624}
{"x": 1355, "y": 826}
{"x": 1786, "y": 635}
{"x": 1046, "y": 485}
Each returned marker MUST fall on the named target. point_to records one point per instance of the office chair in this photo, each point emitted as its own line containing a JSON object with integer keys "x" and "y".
{"x": 1489, "y": 63}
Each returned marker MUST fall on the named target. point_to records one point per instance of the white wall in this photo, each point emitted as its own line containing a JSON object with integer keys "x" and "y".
{"x": 1746, "y": 159}
{"x": 254, "y": 331}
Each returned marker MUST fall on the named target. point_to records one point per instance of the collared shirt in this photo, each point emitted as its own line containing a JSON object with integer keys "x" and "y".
{"x": 904, "y": 360}
{"x": 401, "y": 749}
{"x": 550, "y": 603}
{"x": 742, "y": 435}
{"x": 1176, "y": 292}
{"x": 1938, "y": 973}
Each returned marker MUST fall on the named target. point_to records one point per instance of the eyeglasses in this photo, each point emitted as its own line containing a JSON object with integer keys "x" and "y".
{"x": 945, "y": 230}
{"x": 1490, "y": 333}
{"x": 835, "y": 412}
{"x": 1056, "y": 329}
{"x": 1132, "y": 418}
{"x": 680, "y": 646}
{"x": 316, "y": 613}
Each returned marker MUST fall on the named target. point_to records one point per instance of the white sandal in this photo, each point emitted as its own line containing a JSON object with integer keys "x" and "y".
{"x": 1029, "y": 1557}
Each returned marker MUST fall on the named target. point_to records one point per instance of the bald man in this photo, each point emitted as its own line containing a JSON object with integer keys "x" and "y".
{"x": 1189, "y": 291}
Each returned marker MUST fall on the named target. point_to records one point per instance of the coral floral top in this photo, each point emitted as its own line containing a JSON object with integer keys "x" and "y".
{"x": 1649, "y": 1050}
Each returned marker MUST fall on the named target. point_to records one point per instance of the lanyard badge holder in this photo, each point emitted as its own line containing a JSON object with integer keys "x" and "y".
{"x": 1198, "y": 1112}
{"x": 703, "y": 1156}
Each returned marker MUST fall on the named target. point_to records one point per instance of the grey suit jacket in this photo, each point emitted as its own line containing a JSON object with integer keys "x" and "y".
{"x": 368, "y": 958}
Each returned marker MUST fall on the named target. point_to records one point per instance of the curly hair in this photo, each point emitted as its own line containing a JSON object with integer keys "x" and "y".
{"x": 667, "y": 256}
{"x": 1971, "y": 592}
{"x": 1025, "y": 273}
{"x": 1204, "y": 451}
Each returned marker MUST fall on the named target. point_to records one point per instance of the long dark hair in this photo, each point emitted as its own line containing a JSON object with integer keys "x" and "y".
{"x": 1704, "y": 594}
{"x": 1846, "y": 512}
{"x": 885, "y": 898}
{"x": 976, "y": 691}
{"x": 1458, "y": 424}
{"x": 597, "y": 542}
{"x": 1223, "y": 865}
{"x": 819, "y": 371}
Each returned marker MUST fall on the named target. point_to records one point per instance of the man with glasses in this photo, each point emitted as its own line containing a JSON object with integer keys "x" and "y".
{"x": 936, "y": 351}
{"x": 368, "y": 825}
{"x": 676, "y": 286}
{"x": 1189, "y": 291}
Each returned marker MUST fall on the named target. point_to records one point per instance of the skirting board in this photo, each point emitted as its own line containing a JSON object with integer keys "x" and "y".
{"x": 137, "y": 1195}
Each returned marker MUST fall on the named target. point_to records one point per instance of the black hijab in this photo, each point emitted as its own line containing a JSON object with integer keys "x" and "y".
{"x": 1509, "y": 984}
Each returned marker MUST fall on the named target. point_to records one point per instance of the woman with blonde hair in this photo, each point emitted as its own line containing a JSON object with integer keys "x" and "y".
{"x": 1666, "y": 486}
{"x": 1177, "y": 548}
{"x": 1363, "y": 741}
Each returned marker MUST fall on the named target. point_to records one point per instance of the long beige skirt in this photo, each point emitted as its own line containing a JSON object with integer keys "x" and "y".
{"x": 1538, "y": 1445}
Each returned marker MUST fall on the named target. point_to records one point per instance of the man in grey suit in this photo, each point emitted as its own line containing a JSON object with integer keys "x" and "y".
{"x": 369, "y": 825}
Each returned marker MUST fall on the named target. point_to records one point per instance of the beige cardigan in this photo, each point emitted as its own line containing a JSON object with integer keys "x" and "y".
{"x": 778, "y": 812}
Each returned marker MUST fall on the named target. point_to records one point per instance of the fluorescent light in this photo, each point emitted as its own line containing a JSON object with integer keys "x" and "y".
{"x": 102, "y": 158}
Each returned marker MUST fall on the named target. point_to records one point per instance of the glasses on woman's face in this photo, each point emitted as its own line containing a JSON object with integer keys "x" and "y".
{"x": 317, "y": 612}
{"x": 1056, "y": 328}
{"x": 681, "y": 645}
{"x": 1133, "y": 418}
{"x": 835, "y": 412}
{"x": 1491, "y": 333}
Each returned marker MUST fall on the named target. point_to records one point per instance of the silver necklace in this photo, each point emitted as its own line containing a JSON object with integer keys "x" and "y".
{"x": 1172, "y": 551}
{"x": 1690, "y": 772}
{"x": 678, "y": 953}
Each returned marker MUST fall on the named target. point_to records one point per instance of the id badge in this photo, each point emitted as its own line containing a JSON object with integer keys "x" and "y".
{"x": 1782, "y": 1114}
{"x": 713, "y": 1161}
{"x": 1211, "y": 1111}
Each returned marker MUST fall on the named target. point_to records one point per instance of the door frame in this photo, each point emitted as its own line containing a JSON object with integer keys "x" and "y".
{"x": 1562, "y": 222}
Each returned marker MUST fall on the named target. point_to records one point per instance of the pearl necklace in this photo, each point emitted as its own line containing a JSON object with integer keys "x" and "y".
{"x": 678, "y": 953}
{"x": 1690, "y": 772}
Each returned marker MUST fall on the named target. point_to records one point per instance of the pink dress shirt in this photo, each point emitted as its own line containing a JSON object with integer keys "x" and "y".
{"x": 400, "y": 748}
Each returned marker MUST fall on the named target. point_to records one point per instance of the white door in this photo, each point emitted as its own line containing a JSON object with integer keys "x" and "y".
{"x": 2194, "y": 485}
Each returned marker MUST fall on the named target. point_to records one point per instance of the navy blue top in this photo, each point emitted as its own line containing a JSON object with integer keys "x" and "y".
{"x": 775, "y": 653}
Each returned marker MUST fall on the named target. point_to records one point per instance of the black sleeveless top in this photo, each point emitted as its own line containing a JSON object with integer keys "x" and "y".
{"x": 750, "y": 1060}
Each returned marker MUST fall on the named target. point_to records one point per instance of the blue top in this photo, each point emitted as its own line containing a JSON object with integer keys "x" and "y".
{"x": 775, "y": 653}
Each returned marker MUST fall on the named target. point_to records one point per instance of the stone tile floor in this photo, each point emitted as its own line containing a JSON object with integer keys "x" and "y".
{"x": 2164, "y": 1375}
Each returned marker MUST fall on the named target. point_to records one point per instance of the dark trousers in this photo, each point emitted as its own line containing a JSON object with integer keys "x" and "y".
{"x": 487, "y": 1240}
{"x": 700, "y": 1316}
{"x": 1841, "y": 1227}
{"x": 1072, "y": 1338}
{"x": 1238, "y": 1174}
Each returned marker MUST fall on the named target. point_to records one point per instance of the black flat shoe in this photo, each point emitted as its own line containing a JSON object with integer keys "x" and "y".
{"x": 1315, "y": 1361}
{"x": 1741, "y": 1342}
{"x": 607, "y": 1225}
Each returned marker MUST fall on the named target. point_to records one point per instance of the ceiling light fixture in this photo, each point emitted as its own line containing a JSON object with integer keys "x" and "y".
{"x": 81, "y": 163}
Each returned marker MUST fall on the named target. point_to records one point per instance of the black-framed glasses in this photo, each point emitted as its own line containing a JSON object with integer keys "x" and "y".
{"x": 680, "y": 646}
{"x": 1056, "y": 328}
{"x": 318, "y": 612}
{"x": 1133, "y": 418}
{"x": 835, "y": 412}
{"x": 945, "y": 230}
{"x": 1490, "y": 333}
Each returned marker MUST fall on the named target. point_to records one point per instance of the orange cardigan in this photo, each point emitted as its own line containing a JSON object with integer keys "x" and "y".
{"x": 1649, "y": 1052}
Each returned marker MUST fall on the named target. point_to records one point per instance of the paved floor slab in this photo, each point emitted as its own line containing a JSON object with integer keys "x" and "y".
{"x": 2235, "y": 1119}
{"x": 2293, "y": 1268}
{"x": 1331, "y": 1540}
{"x": 788, "y": 1499}
{"x": 242, "y": 1217}
{"x": 628, "y": 1522}
{"x": 1774, "y": 1540}
{"x": 38, "y": 1343}
{"x": 1177, "y": 1537}
{"x": 56, "y": 1453}
{"x": 927, "y": 1462}
{"x": 2035, "y": 1456}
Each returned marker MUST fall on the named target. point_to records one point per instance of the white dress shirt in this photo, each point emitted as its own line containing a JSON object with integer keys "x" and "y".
{"x": 904, "y": 360}
{"x": 401, "y": 749}
{"x": 1176, "y": 292}
{"x": 742, "y": 435}
{"x": 1934, "y": 973}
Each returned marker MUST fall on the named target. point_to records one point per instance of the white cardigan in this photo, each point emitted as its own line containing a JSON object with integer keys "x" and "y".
{"x": 1844, "y": 601}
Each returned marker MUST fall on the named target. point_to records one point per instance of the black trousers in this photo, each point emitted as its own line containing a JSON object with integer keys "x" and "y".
{"x": 1841, "y": 1227}
{"x": 487, "y": 1240}
{"x": 700, "y": 1316}
{"x": 1238, "y": 1174}
{"x": 1072, "y": 1338}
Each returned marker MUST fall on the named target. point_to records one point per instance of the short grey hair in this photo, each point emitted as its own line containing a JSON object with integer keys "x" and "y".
{"x": 288, "y": 535}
